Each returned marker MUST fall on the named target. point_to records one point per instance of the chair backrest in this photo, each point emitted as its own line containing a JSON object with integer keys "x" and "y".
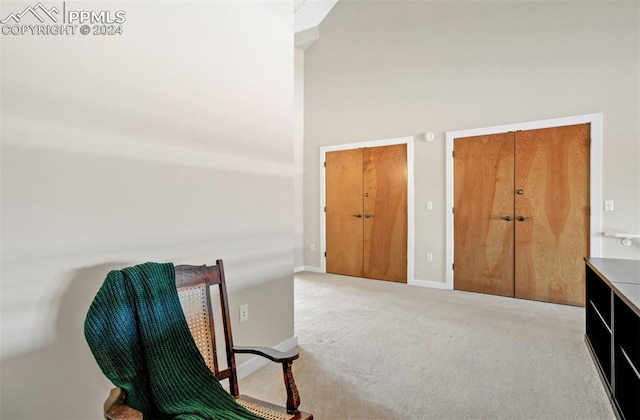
{"x": 195, "y": 284}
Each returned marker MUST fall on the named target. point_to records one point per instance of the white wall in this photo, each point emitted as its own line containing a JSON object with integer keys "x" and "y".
{"x": 391, "y": 69}
{"x": 298, "y": 160}
{"x": 171, "y": 142}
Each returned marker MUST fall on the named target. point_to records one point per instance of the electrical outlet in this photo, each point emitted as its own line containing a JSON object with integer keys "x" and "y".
{"x": 429, "y": 257}
{"x": 244, "y": 313}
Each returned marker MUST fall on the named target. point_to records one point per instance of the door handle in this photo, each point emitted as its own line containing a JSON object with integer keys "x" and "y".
{"x": 507, "y": 218}
{"x": 357, "y": 215}
{"x": 366, "y": 216}
{"x": 522, "y": 218}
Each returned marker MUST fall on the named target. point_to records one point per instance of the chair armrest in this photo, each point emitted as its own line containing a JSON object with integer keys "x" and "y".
{"x": 286, "y": 358}
{"x": 269, "y": 353}
{"x": 116, "y": 409}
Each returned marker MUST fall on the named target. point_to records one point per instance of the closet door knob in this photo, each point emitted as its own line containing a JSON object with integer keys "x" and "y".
{"x": 507, "y": 218}
{"x": 357, "y": 215}
{"x": 366, "y": 216}
{"x": 521, "y": 218}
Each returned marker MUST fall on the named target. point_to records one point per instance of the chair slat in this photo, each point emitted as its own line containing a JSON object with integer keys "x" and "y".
{"x": 191, "y": 275}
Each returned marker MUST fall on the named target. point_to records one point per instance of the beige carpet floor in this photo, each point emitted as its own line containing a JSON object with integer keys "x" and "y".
{"x": 379, "y": 350}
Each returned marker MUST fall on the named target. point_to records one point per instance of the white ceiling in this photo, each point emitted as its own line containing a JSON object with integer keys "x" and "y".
{"x": 309, "y": 13}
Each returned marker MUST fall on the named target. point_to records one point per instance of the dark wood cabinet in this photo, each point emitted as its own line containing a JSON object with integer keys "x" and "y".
{"x": 613, "y": 329}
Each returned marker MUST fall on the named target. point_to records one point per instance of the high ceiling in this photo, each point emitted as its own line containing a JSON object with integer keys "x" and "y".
{"x": 309, "y": 13}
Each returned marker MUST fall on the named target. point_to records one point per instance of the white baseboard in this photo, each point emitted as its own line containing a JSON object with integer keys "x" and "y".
{"x": 413, "y": 282}
{"x": 257, "y": 362}
{"x": 430, "y": 283}
{"x": 307, "y": 268}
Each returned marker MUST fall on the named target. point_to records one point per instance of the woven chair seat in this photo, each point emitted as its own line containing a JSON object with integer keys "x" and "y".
{"x": 265, "y": 412}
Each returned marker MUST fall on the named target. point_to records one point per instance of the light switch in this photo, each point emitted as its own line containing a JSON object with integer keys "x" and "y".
{"x": 429, "y": 205}
{"x": 608, "y": 205}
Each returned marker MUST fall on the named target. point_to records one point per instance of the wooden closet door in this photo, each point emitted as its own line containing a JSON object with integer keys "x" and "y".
{"x": 552, "y": 195}
{"x": 344, "y": 212}
{"x": 366, "y": 214}
{"x": 483, "y": 216}
{"x": 385, "y": 213}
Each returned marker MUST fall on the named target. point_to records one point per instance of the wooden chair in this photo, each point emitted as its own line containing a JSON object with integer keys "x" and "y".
{"x": 194, "y": 284}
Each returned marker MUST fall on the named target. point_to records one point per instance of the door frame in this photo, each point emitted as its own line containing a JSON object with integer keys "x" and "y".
{"x": 410, "y": 198}
{"x": 595, "y": 176}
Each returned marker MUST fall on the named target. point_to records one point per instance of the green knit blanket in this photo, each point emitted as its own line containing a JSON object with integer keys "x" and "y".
{"x": 139, "y": 336}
